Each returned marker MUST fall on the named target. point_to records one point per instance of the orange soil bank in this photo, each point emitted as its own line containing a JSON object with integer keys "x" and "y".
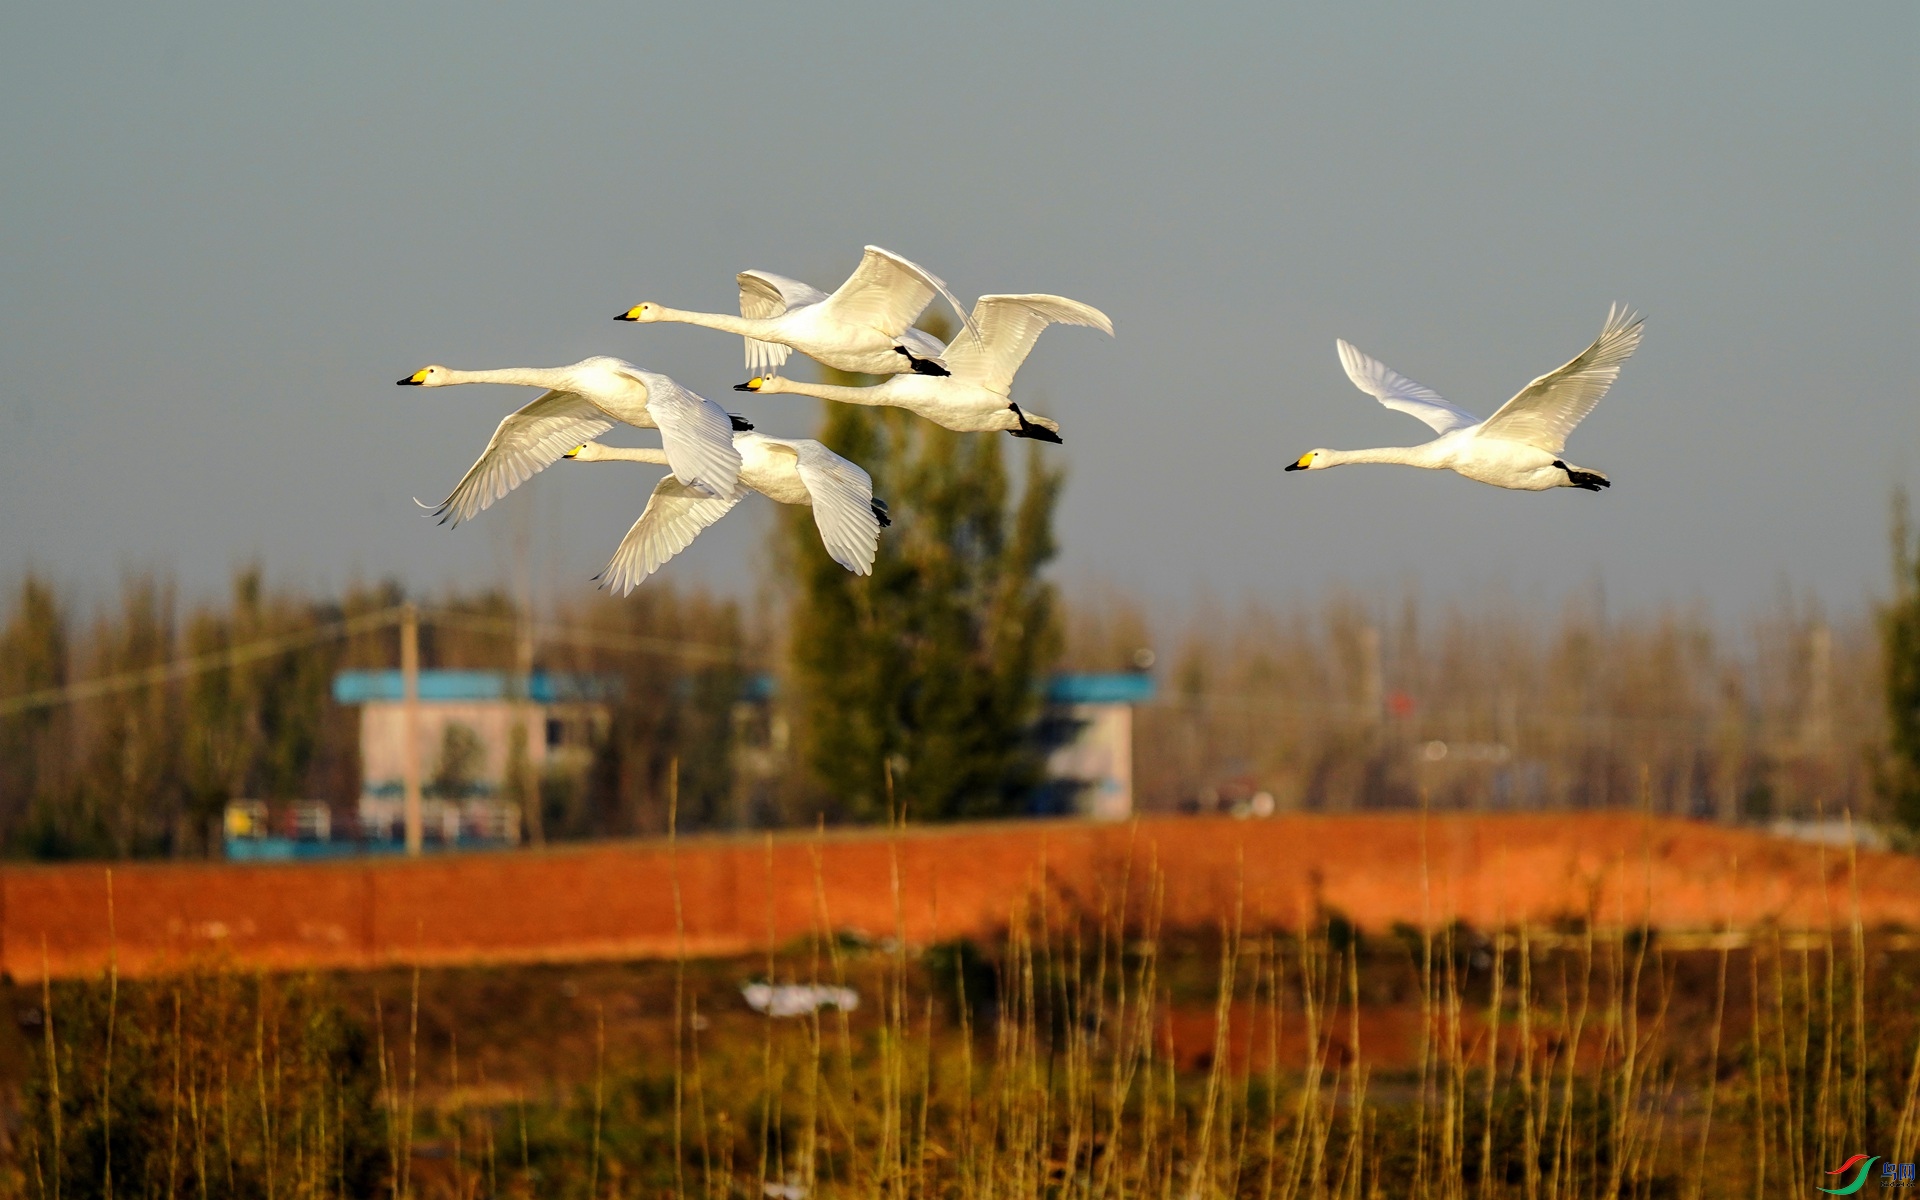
{"x": 615, "y": 900}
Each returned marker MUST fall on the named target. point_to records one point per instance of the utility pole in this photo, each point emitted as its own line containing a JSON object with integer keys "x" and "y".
{"x": 1817, "y": 730}
{"x": 528, "y": 725}
{"x": 410, "y": 722}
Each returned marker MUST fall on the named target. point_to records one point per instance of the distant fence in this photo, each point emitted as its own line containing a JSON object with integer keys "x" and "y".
{"x": 742, "y": 894}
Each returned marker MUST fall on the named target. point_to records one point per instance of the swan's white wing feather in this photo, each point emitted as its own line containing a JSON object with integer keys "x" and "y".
{"x": 525, "y": 443}
{"x": 674, "y": 516}
{"x": 696, "y": 433}
{"x": 1009, "y": 326}
{"x": 886, "y": 292}
{"x": 923, "y": 345}
{"x": 764, "y": 295}
{"x": 1546, "y": 410}
{"x": 1399, "y": 393}
{"x": 842, "y": 494}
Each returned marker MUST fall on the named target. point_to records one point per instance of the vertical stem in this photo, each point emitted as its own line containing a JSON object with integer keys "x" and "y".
{"x": 113, "y": 1006}
{"x": 454, "y": 1115}
{"x": 679, "y": 980}
{"x": 599, "y": 1101}
{"x": 413, "y": 1078}
{"x": 53, "y": 1064}
{"x": 1493, "y": 1061}
{"x": 260, "y": 1081}
{"x": 173, "y": 1130}
{"x": 386, "y": 1095}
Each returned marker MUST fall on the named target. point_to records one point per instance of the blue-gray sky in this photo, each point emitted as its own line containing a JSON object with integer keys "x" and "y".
{"x": 226, "y": 229}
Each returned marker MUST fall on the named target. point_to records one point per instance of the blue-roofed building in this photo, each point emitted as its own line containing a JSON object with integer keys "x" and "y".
{"x": 476, "y": 730}
{"x": 1087, "y": 729}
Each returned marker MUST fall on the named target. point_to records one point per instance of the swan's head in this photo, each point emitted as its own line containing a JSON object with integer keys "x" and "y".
{"x": 641, "y": 312}
{"x": 1312, "y": 460}
{"x": 760, "y": 383}
{"x": 433, "y": 376}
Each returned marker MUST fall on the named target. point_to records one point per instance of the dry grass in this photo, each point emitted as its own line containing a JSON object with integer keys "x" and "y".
{"x": 1580, "y": 1061}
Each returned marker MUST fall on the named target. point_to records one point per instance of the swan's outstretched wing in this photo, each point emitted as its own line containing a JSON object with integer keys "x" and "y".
{"x": 842, "y": 494}
{"x": 525, "y": 443}
{"x": 924, "y": 345}
{"x": 764, "y": 295}
{"x": 1546, "y": 410}
{"x": 1009, "y": 325}
{"x": 696, "y": 432}
{"x": 674, "y": 516}
{"x": 1399, "y": 393}
{"x": 886, "y": 292}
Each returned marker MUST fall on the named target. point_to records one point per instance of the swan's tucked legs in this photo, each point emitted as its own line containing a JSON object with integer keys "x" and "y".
{"x": 1039, "y": 433}
{"x": 922, "y": 366}
{"x": 1587, "y": 481}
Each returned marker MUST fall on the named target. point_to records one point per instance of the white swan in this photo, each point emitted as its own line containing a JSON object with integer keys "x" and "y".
{"x": 975, "y": 397}
{"x": 866, "y": 326}
{"x": 1519, "y": 446}
{"x": 791, "y": 471}
{"x": 583, "y": 401}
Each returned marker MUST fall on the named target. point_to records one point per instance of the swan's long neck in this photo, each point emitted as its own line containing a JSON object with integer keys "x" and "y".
{"x": 545, "y": 377}
{"x": 595, "y": 452}
{"x": 724, "y": 322}
{"x": 830, "y": 391}
{"x": 1411, "y": 456}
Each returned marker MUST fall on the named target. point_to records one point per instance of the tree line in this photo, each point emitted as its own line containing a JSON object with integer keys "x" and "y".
{"x": 916, "y": 690}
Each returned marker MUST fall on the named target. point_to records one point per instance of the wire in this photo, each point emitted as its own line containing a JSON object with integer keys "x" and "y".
{"x": 234, "y": 656}
{"x": 183, "y": 668}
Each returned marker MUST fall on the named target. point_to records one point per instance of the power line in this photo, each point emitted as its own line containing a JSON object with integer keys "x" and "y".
{"x": 199, "y": 664}
{"x": 270, "y": 647}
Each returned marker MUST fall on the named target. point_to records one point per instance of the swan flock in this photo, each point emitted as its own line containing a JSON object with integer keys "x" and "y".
{"x": 714, "y": 458}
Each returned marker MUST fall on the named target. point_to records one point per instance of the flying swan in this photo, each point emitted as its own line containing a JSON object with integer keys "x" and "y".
{"x": 976, "y": 396}
{"x": 866, "y": 326}
{"x": 790, "y": 471}
{"x": 1518, "y": 447}
{"x": 583, "y": 401}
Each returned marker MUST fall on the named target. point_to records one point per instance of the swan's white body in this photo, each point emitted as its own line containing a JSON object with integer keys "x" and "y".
{"x": 1518, "y": 447}
{"x": 583, "y": 401}
{"x": 977, "y": 396}
{"x": 865, "y": 326}
{"x": 790, "y": 471}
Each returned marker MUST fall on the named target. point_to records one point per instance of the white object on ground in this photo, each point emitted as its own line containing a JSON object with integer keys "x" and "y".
{"x": 797, "y": 999}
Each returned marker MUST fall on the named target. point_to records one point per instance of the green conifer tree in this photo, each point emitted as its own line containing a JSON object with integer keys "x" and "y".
{"x": 1900, "y": 649}
{"x": 930, "y": 666}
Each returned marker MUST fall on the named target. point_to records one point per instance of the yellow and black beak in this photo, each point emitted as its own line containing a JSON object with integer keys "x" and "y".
{"x": 575, "y": 452}
{"x": 751, "y": 385}
{"x": 414, "y": 380}
{"x": 1306, "y": 460}
{"x": 632, "y": 314}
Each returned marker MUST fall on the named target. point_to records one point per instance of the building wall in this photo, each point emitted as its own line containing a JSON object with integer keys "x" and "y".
{"x": 383, "y": 738}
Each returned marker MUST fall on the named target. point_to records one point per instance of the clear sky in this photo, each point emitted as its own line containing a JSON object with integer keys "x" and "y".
{"x": 226, "y": 229}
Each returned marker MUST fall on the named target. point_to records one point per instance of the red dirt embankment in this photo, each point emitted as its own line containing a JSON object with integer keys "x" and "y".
{"x": 739, "y": 894}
